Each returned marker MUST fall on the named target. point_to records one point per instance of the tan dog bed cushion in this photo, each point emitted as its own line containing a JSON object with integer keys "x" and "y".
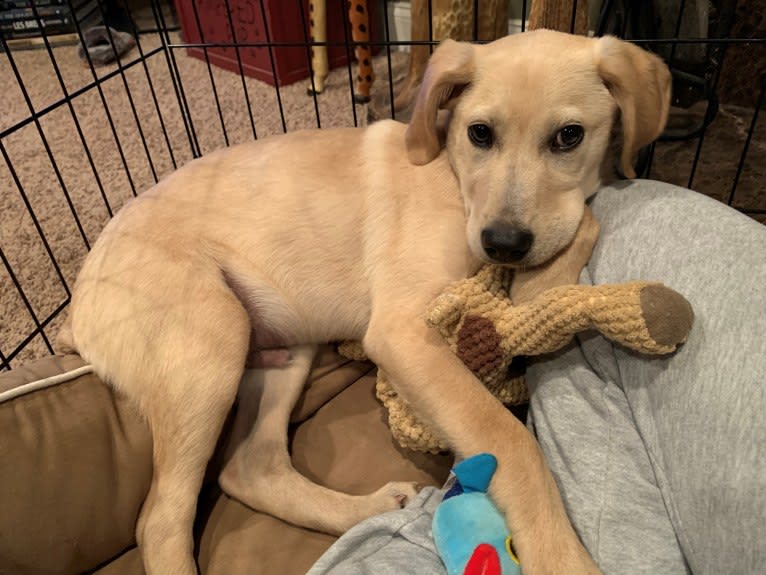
{"x": 77, "y": 466}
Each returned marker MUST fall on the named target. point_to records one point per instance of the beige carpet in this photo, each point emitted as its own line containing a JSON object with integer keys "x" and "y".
{"x": 19, "y": 239}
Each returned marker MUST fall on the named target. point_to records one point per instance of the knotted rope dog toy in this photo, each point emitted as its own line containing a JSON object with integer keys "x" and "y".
{"x": 482, "y": 326}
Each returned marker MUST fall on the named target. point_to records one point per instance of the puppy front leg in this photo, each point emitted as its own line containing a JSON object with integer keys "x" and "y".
{"x": 446, "y": 395}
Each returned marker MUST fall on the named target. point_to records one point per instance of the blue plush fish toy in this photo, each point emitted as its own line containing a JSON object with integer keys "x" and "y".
{"x": 469, "y": 532}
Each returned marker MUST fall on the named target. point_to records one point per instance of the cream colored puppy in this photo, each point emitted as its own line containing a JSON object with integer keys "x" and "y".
{"x": 326, "y": 235}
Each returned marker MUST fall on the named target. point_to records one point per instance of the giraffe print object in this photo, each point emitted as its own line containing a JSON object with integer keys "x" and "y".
{"x": 359, "y": 19}
{"x": 318, "y": 33}
{"x": 360, "y": 32}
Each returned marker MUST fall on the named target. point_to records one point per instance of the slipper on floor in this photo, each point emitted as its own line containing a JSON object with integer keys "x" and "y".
{"x": 97, "y": 42}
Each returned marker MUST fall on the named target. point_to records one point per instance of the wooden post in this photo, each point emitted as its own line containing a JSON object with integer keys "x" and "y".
{"x": 418, "y": 55}
{"x": 451, "y": 19}
{"x": 493, "y": 19}
{"x": 557, "y": 15}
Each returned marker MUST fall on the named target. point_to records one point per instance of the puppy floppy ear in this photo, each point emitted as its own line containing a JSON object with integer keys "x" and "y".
{"x": 640, "y": 82}
{"x": 449, "y": 69}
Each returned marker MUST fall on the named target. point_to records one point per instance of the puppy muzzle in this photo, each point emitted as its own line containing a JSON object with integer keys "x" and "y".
{"x": 506, "y": 244}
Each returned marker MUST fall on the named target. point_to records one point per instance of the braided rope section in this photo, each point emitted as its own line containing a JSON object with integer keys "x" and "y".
{"x": 486, "y": 331}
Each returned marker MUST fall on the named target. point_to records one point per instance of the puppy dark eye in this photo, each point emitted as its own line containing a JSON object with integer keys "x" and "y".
{"x": 568, "y": 138}
{"x": 480, "y": 135}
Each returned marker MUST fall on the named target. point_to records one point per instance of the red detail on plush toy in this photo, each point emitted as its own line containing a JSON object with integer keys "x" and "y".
{"x": 484, "y": 561}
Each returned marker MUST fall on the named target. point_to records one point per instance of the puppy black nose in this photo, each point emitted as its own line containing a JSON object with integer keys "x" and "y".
{"x": 506, "y": 244}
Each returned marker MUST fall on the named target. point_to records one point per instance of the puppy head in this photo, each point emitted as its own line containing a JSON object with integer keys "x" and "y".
{"x": 531, "y": 118}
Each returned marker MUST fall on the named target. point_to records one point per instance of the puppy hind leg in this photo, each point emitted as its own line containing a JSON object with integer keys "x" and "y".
{"x": 260, "y": 473}
{"x": 186, "y": 411}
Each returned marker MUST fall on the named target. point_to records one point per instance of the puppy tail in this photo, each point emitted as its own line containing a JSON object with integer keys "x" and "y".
{"x": 64, "y": 343}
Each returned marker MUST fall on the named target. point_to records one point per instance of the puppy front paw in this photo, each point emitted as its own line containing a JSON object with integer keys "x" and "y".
{"x": 445, "y": 312}
{"x": 394, "y": 495}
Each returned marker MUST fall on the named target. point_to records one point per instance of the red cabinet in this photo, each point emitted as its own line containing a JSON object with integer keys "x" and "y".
{"x": 284, "y": 22}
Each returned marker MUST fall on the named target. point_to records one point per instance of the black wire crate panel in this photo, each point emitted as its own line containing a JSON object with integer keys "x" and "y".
{"x": 79, "y": 137}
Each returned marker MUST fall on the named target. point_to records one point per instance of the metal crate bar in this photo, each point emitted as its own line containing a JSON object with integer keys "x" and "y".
{"x": 627, "y": 21}
{"x": 402, "y": 43}
{"x": 176, "y": 80}
{"x": 36, "y": 115}
{"x": 47, "y": 147}
{"x": 143, "y": 58}
{"x": 72, "y": 112}
{"x": 388, "y": 44}
{"x": 241, "y": 70}
{"x": 746, "y": 147}
{"x": 37, "y": 331}
{"x": 103, "y": 102}
{"x": 348, "y": 65}
{"x": 270, "y": 46}
{"x": 28, "y": 305}
{"x": 308, "y": 46}
{"x": 129, "y": 94}
{"x": 210, "y": 72}
{"x": 36, "y": 221}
